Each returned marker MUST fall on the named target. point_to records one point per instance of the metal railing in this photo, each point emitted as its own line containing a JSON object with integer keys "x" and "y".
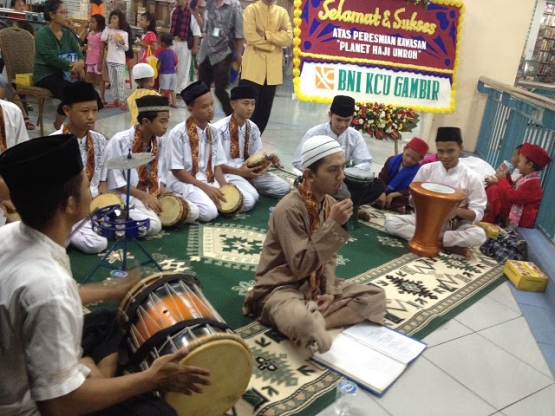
{"x": 514, "y": 116}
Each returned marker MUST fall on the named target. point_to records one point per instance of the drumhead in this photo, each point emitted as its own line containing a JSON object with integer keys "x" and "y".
{"x": 357, "y": 173}
{"x": 255, "y": 159}
{"x": 104, "y": 200}
{"x": 234, "y": 199}
{"x": 172, "y": 210}
{"x": 230, "y": 363}
{"x": 436, "y": 187}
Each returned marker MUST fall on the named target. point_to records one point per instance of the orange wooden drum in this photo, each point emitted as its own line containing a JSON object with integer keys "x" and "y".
{"x": 433, "y": 203}
{"x": 166, "y": 312}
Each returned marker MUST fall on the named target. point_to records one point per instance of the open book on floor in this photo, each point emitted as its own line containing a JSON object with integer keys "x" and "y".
{"x": 373, "y": 356}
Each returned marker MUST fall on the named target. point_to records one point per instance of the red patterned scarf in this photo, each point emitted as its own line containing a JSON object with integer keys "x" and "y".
{"x": 317, "y": 286}
{"x": 234, "y": 139}
{"x": 89, "y": 169}
{"x": 147, "y": 181}
{"x": 193, "y": 140}
{"x": 3, "y": 143}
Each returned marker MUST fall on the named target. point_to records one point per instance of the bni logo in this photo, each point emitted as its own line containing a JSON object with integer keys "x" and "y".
{"x": 325, "y": 77}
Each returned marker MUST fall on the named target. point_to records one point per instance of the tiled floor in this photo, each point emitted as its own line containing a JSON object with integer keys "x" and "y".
{"x": 484, "y": 362}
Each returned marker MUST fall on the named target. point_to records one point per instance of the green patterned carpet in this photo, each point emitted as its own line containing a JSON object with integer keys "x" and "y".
{"x": 422, "y": 294}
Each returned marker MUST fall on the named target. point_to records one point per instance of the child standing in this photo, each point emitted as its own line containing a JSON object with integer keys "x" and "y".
{"x": 117, "y": 40}
{"x": 93, "y": 75}
{"x": 167, "y": 61}
{"x": 397, "y": 174}
{"x": 147, "y": 22}
{"x": 143, "y": 74}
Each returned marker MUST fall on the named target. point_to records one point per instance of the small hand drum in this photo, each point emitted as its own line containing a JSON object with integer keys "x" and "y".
{"x": 105, "y": 200}
{"x": 174, "y": 210}
{"x": 234, "y": 201}
{"x": 259, "y": 158}
{"x": 166, "y": 312}
{"x": 356, "y": 178}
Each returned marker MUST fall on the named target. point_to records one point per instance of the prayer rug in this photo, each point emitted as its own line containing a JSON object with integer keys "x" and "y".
{"x": 422, "y": 294}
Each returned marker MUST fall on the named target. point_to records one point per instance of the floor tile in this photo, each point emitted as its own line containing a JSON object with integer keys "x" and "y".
{"x": 486, "y": 313}
{"x": 504, "y": 296}
{"x": 486, "y": 369}
{"x": 363, "y": 404}
{"x": 541, "y": 403}
{"x": 516, "y": 338}
{"x": 447, "y": 332}
{"x": 426, "y": 390}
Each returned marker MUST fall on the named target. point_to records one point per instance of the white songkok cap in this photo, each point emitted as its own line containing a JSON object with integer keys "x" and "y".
{"x": 318, "y": 147}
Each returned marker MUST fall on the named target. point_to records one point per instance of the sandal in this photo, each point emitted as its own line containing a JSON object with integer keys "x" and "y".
{"x": 113, "y": 104}
{"x": 28, "y": 124}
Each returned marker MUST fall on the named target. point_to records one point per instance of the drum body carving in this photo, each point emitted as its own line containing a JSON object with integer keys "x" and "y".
{"x": 106, "y": 200}
{"x": 174, "y": 210}
{"x": 166, "y": 312}
{"x": 234, "y": 201}
{"x": 433, "y": 203}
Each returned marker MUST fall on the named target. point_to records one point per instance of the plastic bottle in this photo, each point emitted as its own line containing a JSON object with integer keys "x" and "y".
{"x": 345, "y": 393}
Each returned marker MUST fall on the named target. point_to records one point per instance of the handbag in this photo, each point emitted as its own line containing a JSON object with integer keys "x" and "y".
{"x": 152, "y": 61}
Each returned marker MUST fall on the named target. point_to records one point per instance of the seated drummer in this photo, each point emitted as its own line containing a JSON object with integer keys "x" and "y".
{"x": 518, "y": 202}
{"x": 12, "y": 132}
{"x": 195, "y": 156}
{"x": 356, "y": 152}
{"x": 296, "y": 288}
{"x": 459, "y": 233}
{"x": 241, "y": 139}
{"x": 81, "y": 109}
{"x": 147, "y": 181}
{"x": 397, "y": 174}
{"x": 43, "y": 370}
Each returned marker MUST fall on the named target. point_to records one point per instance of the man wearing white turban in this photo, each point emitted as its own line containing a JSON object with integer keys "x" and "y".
{"x": 296, "y": 289}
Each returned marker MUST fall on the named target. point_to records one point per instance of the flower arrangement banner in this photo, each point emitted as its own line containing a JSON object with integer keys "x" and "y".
{"x": 388, "y": 51}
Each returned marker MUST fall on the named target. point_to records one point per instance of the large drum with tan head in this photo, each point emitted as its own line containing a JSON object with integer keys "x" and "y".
{"x": 167, "y": 312}
{"x": 433, "y": 203}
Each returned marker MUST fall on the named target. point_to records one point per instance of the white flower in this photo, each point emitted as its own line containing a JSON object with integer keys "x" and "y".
{"x": 244, "y": 287}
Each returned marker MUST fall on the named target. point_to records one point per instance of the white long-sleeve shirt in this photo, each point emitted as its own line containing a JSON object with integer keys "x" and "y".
{"x": 460, "y": 177}
{"x": 255, "y": 141}
{"x": 350, "y": 140}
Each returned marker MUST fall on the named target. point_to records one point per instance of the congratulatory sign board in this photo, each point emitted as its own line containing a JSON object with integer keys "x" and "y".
{"x": 386, "y": 51}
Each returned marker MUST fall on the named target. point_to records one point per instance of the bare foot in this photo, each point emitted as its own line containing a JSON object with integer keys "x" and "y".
{"x": 461, "y": 251}
{"x": 363, "y": 215}
{"x": 401, "y": 210}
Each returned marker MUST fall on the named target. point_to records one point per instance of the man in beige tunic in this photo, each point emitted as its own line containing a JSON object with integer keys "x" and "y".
{"x": 296, "y": 290}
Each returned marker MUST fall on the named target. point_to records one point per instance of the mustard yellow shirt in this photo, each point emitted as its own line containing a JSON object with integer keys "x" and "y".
{"x": 267, "y": 30}
{"x": 132, "y": 105}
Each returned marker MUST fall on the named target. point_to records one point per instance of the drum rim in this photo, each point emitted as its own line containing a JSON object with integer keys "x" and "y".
{"x": 260, "y": 156}
{"x": 181, "y": 208}
{"x": 200, "y": 345}
{"x": 236, "y": 207}
{"x": 418, "y": 188}
{"x": 110, "y": 194}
